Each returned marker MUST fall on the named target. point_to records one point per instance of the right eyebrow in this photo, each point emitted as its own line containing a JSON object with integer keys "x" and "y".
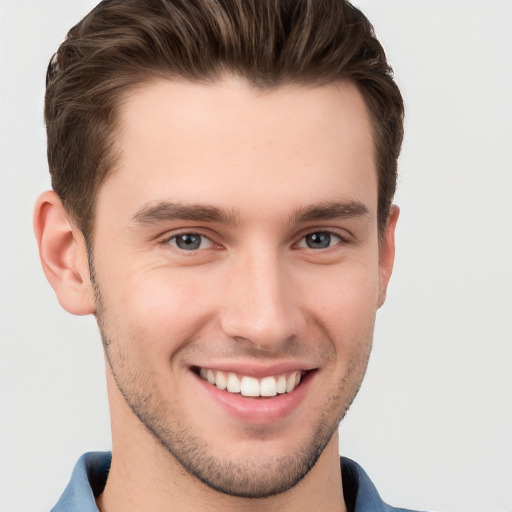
{"x": 331, "y": 210}
{"x": 165, "y": 211}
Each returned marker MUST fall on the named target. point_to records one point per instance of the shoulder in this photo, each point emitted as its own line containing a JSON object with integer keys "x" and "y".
{"x": 359, "y": 491}
{"x": 87, "y": 481}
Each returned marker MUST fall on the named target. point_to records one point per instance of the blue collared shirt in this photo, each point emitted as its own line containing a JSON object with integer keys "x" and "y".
{"x": 91, "y": 472}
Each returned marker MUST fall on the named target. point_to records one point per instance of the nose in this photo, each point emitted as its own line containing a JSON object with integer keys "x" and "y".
{"x": 260, "y": 307}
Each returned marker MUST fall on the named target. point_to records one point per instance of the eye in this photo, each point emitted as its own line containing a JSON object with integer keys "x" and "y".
{"x": 319, "y": 240}
{"x": 190, "y": 241}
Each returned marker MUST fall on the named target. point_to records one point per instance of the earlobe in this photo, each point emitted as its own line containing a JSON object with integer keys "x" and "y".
{"x": 63, "y": 255}
{"x": 387, "y": 253}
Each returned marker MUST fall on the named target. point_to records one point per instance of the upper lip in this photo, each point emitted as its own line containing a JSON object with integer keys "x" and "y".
{"x": 256, "y": 369}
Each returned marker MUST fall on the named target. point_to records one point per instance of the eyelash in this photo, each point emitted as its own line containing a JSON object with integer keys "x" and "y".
{"x": 320, "y": 234}
{"x": 175, "y": 237}
{"x": 341, "y": 240}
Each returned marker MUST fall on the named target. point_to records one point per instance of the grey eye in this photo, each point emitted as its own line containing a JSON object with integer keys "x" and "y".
{"x": 190, "y": 241}
{"x": 319, "y": 240}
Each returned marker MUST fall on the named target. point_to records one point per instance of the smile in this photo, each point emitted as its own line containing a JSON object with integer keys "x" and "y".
{"x": 251, "y": 386}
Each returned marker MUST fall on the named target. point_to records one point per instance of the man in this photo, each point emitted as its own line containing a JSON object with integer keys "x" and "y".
{"x": 223, "y": 175}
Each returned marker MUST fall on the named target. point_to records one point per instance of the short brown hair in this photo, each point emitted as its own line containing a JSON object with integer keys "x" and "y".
{"x": 122, "y": 44}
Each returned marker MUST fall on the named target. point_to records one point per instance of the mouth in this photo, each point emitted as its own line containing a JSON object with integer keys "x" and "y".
{"x": 245, "y": 385}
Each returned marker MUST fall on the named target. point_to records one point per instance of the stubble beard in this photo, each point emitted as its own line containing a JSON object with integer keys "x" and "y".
{"x": 239, "y": 478}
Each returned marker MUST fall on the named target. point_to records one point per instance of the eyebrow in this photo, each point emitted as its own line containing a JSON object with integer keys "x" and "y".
{"x": 165, "y": 211}
{"x": 330, "y": 210}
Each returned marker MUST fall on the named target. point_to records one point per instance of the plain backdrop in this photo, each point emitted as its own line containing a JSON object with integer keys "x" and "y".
{"x": 433, "y": 422}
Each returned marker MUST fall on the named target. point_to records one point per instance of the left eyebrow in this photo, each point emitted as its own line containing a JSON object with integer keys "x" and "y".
{"x": 330, "y": 211}
{"x": 165, "y": 211}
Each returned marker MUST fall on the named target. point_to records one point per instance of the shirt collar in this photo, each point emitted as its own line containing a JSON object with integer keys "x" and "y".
{"x": 91, "y": 471}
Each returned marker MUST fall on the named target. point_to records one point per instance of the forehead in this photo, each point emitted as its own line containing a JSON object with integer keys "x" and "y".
{"x": 232, "y": 144}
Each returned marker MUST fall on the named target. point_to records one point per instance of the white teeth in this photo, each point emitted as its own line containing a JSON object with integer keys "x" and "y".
{"x": 210, "y": 376}
{"x": 221, "y": 380}
{"x": 281, "y": 384}
{"x": 268, "y": 386}
{"x": 234, "y": 384}
{"x": 251, "y": 386}
{"x": 290, "y": 383}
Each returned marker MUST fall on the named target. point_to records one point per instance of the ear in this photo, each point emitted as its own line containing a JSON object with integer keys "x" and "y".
{"x": 63, "y": 255}
{"x": 387, "y": 253}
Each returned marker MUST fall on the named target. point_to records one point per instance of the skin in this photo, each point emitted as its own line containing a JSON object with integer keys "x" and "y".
{"x": 245, "y": 170}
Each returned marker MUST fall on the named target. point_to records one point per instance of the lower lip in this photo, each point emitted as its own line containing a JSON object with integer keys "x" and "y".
{"x": 259, "y": 410}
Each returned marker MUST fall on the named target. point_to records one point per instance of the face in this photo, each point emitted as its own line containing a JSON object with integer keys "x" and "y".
{"x": 237, "y": 273}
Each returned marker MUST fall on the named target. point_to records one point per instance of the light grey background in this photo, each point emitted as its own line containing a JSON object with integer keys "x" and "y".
{"x": 433, "y": 422}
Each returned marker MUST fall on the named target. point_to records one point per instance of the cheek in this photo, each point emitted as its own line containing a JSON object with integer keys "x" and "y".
{"x": 159, "y": 308}
{"x": 346, "y": 309}
{"x": 347, "y": 293}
